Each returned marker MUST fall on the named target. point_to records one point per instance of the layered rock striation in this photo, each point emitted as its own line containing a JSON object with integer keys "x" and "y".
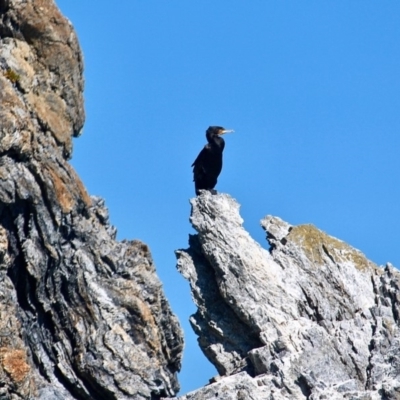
{"x": 309, "y": 318}
{"x": 82, "y": 316}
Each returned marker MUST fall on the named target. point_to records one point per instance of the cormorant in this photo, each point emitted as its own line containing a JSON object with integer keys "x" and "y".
{"x": 208, "y": 164}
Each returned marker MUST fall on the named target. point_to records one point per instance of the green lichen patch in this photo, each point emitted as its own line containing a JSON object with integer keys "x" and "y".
{"x": 11, "y": 75}
{"x": 317, "y": 246}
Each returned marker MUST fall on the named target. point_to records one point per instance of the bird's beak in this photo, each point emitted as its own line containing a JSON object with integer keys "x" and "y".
{"x": 222, "y": 132}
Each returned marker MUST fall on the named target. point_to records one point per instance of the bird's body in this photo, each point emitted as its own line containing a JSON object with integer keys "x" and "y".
{"x": 208, "y": 164}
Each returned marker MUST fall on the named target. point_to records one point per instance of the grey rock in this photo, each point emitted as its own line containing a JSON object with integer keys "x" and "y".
{"x": 82, "y": 316}
{"x": 309, "y": 318}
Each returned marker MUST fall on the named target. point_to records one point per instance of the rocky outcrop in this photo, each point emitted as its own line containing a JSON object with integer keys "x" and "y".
{"x": 82, "y": 316}
{"x": 309, "y": 318}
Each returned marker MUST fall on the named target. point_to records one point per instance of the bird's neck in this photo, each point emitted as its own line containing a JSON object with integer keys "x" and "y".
{"x": 217, "y": 141}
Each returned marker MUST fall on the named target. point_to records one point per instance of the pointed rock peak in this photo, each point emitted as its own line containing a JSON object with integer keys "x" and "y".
{"x": 311, "y": 317}
{"x": 315, "y": 244}
{"x": 208, "y": 207}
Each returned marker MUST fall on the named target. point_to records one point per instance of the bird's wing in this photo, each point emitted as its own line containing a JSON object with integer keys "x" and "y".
{"x": 200, "y": 158}
{"x": 198, "y": 164}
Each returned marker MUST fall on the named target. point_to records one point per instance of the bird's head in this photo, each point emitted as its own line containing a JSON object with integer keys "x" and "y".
{"x": 217, "y": 130}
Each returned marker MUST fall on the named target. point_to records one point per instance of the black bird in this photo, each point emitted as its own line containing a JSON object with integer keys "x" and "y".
{"x": 208, "y": 164}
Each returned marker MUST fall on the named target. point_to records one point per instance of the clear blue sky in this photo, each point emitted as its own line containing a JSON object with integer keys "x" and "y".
{"x": 312, "y": 89}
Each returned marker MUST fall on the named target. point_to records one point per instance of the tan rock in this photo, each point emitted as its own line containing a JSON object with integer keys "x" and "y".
{"x": 81, "y": 315}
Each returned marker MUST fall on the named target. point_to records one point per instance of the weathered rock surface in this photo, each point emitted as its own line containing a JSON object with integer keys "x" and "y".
{"x": 310, "y": 318}
{"x": 82, "y": 316}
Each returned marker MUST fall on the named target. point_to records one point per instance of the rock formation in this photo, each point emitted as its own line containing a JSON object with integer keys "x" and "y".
{"x": 82, "y": 316}
{"x": 309, "y": 318}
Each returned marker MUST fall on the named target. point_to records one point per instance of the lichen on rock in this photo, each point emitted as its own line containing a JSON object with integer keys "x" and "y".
{"x": 82, "y": 316}
{"x": 310, "y": 318}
